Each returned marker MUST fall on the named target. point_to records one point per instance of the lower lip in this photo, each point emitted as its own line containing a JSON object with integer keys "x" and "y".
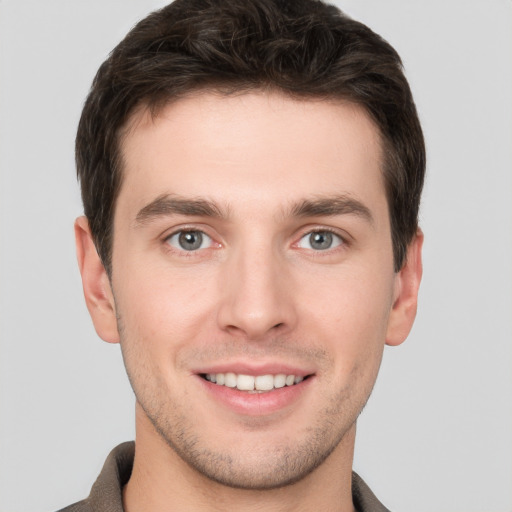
{"x": 256, "y": 404}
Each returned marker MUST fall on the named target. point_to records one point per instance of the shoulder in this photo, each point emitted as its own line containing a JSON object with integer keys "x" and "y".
{"x": 107, "y": 492}
{"x": 80, "y": 506}
{"x": 363, "y": 497}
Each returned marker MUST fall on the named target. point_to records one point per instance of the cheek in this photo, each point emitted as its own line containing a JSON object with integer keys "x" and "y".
{"x": 351, "y": 315}
{"x": 162, "y": 307}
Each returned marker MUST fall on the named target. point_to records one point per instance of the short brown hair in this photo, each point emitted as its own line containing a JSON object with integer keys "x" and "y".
{"x": 304, "y": 48}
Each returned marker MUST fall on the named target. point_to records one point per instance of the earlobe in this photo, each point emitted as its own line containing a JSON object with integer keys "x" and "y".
{"x": 407, "y": 286}
{"x": 96, "y": 284}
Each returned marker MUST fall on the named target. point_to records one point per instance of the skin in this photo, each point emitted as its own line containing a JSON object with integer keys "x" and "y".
{"x": 257, "y": 293}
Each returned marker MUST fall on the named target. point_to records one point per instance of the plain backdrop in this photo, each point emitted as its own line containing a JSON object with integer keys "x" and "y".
{"x": 436, "y": 435}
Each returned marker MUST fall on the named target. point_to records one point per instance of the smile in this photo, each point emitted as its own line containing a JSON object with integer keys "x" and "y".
{"x": 250, "y": 383}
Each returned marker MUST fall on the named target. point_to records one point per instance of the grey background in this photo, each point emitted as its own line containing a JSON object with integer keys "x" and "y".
{"x": 437, "y": 434}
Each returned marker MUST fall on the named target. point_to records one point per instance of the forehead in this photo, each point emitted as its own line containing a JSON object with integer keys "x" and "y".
{"x": 237, "y": 146}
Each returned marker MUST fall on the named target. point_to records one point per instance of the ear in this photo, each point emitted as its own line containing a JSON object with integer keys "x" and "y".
{"x": 96, "y": 284}
{"x": 407, "y": 283}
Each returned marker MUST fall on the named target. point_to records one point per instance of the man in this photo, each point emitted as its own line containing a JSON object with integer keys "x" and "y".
{"x": 251, "y": 174}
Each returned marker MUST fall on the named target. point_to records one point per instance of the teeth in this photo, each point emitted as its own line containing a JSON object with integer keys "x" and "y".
{"x": 264, "y": 382}
{"x": 230, "y": 380}
{"x": 251, "y": 383}
{"x": 245, "y": 383}
{"x": 280, "y": 380}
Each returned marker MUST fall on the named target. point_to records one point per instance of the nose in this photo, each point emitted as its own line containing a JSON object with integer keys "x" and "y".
{"x": 256, "y": 295}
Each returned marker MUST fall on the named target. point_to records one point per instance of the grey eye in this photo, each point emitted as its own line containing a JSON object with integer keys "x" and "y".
{"x": 320, "y": 241}
{"x": 189, "y": 240}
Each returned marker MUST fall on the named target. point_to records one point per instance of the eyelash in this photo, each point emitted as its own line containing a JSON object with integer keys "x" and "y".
{"x": 184, "y": 231}
{"x": 343, "y": 242}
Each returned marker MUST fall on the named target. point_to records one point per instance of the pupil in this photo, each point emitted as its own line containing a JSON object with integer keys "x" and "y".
{"x": 321, "y": 240}
{"x": 191, "y": 240}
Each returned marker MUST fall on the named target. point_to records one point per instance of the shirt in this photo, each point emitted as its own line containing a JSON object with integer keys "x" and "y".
{"x": 107, "y": 492}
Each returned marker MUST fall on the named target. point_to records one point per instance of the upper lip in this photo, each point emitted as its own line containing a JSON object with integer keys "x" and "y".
{"x": 252, "y": 368}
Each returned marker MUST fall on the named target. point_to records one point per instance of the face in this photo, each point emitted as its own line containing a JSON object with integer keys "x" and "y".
{"x": 253, "y": 281}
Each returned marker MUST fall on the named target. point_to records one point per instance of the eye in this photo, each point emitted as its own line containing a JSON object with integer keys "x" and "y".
{"x": 321, "y": 240}
{"x": 190, "y": 240}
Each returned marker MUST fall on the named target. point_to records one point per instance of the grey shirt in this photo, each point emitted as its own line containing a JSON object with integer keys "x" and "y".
{"x": 107, "y": 492}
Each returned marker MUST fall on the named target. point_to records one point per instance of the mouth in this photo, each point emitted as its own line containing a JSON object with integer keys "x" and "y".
{"x": 257, "y": 392}
{"x": 254, "y": 383}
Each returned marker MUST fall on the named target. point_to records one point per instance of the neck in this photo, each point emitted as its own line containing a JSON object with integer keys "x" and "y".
{"x": 162, "y": 482}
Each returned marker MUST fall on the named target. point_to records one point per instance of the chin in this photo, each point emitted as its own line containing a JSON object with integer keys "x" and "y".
{"x": 250, "y": 460}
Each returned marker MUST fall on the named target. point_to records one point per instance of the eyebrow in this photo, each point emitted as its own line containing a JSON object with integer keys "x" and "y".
{"x": 166, "y": 205}
{"x": 332, "y": 206}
